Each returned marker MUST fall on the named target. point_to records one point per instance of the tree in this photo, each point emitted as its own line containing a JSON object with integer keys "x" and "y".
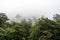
{"x": 44, "y": 29}
{"x": 3, "y": 19}
{"x": 56, "y": 17}
{"x": 27, "y": 24}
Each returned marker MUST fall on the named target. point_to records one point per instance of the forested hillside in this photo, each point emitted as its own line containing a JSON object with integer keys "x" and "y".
{"x": 42, "y": 29}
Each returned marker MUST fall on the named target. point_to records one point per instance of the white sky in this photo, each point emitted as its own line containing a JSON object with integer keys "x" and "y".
{"x": 30, "y": 7}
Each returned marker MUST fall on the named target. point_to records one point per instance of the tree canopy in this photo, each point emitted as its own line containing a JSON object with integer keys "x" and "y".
{"x": 42, "y": 29}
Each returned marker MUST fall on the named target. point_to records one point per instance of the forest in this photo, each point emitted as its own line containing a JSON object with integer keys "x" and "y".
{"x": 41, "y": 29}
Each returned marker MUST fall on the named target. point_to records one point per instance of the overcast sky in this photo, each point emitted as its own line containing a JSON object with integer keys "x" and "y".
{"x": 29, "y": 8}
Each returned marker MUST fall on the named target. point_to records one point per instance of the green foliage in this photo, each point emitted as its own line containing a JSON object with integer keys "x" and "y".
{"x": 45, "y": 29}
{"x": 42, "y": 29}
{"x": 3, "y": 19}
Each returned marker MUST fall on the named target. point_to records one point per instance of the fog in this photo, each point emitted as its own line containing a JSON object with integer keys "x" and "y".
{"x": 29, "y": 8}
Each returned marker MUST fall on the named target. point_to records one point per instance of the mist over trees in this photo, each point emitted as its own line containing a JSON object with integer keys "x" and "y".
{"x": 56, "y": 17}
{"x": 24, "y": 29}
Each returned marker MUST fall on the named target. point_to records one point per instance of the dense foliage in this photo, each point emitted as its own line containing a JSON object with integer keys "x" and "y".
{"x": 42, "y": 29}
